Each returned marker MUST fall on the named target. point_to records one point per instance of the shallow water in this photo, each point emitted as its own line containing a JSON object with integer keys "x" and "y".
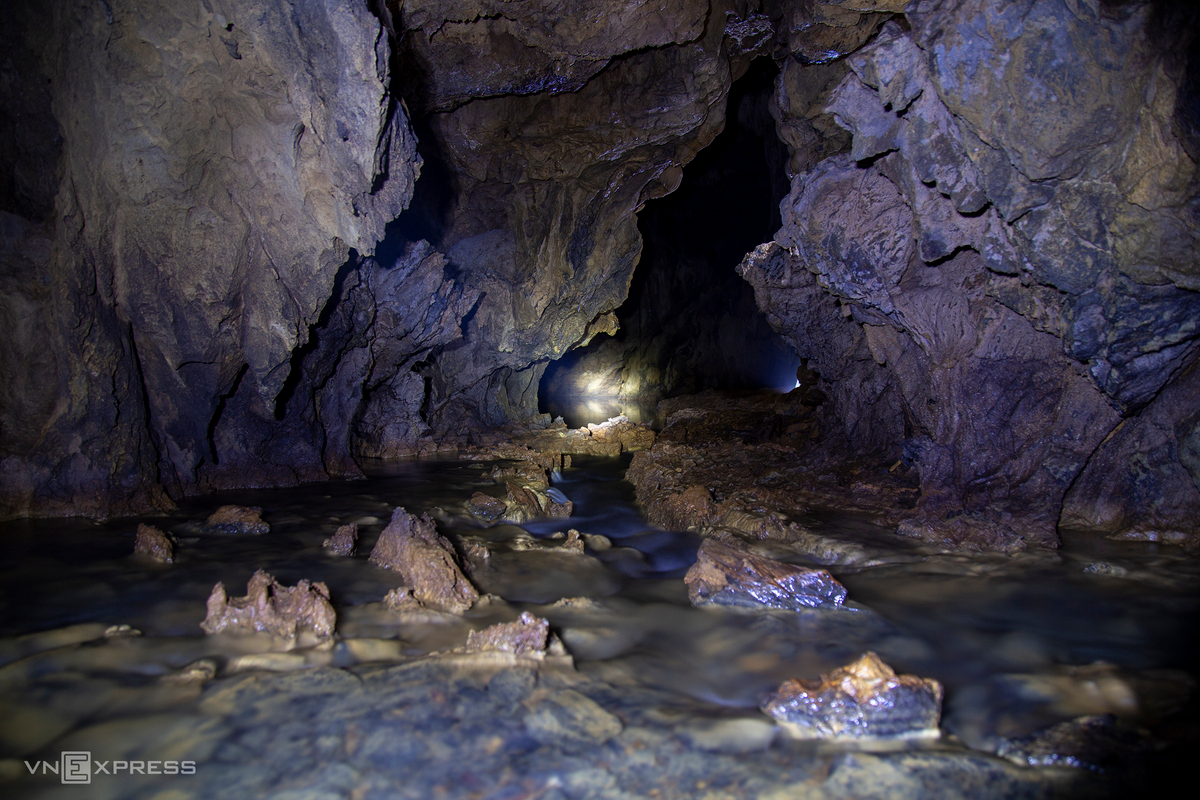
{"x": 1014, "y": 641}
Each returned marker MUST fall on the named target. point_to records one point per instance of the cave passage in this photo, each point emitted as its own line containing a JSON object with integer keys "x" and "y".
{"x": 690, "y": 322}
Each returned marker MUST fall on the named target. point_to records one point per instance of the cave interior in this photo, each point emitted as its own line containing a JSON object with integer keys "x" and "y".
{"x": 797, "y": 396}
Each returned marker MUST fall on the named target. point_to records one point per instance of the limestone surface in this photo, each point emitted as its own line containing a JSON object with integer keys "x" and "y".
{"x": 425, "y": 560}
{"x": 730, "y": 576}
{"x": 290, "y": 612}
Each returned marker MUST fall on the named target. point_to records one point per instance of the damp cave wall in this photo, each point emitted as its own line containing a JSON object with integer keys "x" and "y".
{"x": 988, "y": 250}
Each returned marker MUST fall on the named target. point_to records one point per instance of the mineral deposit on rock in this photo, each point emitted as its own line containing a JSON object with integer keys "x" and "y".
{"x": 726, "y": 575}
{"x": 290, "y": 612}
{"x": 412, "y": 547}
{"x": 863, "y": 699}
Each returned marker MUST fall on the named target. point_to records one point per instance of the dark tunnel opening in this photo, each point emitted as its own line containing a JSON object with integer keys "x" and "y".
{"x": 690, "y": 322}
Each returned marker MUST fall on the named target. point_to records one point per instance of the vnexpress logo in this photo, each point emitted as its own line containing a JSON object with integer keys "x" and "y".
{"x": 76, "y": 766}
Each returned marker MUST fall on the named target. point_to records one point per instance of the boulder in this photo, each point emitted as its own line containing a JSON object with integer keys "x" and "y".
{"x": 863, "y": 699}
{"x": 727, "y": 575}
{"x": 302, "y": 612}
{"x": 343, "y": 542}
{"x": 425, "y": 560}
{"x": 153, "y": 543}
{"x": 242, "y": 520}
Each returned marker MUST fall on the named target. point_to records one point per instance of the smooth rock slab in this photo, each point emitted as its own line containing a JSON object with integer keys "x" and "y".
{"x": 726, "y": 575}
{"x": 425, "y": 560}
{"x": 863, "y": 699}
{"x": 569, "y": 720}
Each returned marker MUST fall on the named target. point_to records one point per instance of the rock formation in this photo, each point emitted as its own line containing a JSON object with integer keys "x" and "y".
{"x": 219, "y": 267}
{"x": 343, "y": 542}
{"x": 863, "y": 699}
{"x": 426, "y": 562}
{"x": 154, "y": 544}
{"x": 300, "y": 613}
{"x": 730, "y": 576}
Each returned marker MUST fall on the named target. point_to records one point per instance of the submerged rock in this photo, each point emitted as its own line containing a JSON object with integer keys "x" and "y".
{"x": 1094, "y": 742}
{"x": 153, "y": 543}
{"x": 237, "y": 519}
{"x": 290, "y": 612}
{"x": 526, "y": 636}
{"x": 863, "y": 699}
{"x": 569, "y": 720}
{"x": 425, "y": 560}
{"x": 726, "y": 575}
{"x": 343, "y": 542}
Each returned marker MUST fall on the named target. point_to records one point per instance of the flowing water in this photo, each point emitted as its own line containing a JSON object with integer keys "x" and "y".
{"x": 1018, "y": 642}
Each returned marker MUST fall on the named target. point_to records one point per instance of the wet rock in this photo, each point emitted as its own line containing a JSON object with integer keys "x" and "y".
{"x": 526, "y": 636}
{"x": 727, "y": 575}
{"x": 199, "y": 671}
{"x": 569, "y": 720}
{"x": 153, "y": 543}
{"x": 573, "y": 542}
{"x": 242, "y": 520}
{"x": 863, "y": 699}
{"x": 301, "y": 613}
{"x": 425, "y": 560}
{"x": 343, "y": 542}
{"x": 1095, "y": 743}
{"x": 401, "y": 599}
{"x": 486, "y": 507}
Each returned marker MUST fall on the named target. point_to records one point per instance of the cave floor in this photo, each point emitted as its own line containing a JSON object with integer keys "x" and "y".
{"x": 656, "y": 698}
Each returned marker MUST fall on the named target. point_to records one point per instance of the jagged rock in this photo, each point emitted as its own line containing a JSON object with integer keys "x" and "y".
{"x": 252, "y": 150}
{"x": 730, "y": 576}
{"x": 486, "y": 507}
{"x": 401, "y": 599}
{"x": 242, "y": 520}
{"x": 343, "y": 542}
{"x": 153, "y": 543}
{"x": 1096, "y": 743}
{"x": 526, "y": 636}
{"x": 574, "y": 542}
{"x": 863, "y": 699}
{"x": 300, "y": 613}
{"x": 425, "y": 560}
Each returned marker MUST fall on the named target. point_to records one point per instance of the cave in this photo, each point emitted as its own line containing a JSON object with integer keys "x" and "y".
{"x": 474, "y": 398}
{"x": 690, "y": 323}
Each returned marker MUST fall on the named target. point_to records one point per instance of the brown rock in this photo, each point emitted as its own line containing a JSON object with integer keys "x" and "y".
{"x": 726, "y": 575}
{"x": 863, "y": 699}
{"x": 344, "y": 540}
{"x": 425, "y": 560}
{"x": 487, "y": 507}
{"x": 527, "y": 635}
{"x": 270, "y": 607}
{"x": 237, "y": 519}
{"x": 153, "y": 543}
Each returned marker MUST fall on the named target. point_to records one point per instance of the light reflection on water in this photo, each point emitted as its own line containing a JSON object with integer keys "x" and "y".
{"x": 968, "y": 621}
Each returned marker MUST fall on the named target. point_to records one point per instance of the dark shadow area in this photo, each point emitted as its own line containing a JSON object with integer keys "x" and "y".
{"x": 690, "y": 322}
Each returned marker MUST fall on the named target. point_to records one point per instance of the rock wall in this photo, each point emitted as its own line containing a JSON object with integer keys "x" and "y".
{"x": 1012, "y": 241}
{"x": 219, "y": 163}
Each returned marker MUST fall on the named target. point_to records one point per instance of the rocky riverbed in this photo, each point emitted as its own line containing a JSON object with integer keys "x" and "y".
{"x": 583, "y": 669}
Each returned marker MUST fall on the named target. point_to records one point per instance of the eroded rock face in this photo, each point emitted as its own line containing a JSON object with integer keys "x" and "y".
{"x": 297, "y": 612}
{"x": 425, "y": 560}
{"x": 969, "y": 265}
{"x": 218, "y": 167}
{"x": 863, "y": 699}
{"x": 730, "y": 576}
